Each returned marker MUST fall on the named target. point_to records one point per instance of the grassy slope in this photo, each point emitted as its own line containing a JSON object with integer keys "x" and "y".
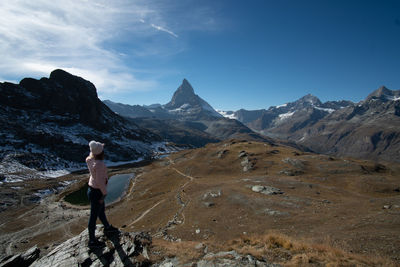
{"x": 330, "y": 209}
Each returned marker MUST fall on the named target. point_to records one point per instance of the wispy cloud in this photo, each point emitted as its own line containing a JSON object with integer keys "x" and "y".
{"x": 164, "y": 30}
{"x": 97, "y": 40}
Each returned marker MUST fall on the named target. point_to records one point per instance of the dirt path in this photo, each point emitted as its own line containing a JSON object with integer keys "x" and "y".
{"x": 145, "y": 213}
{"x": 180, "y": 213}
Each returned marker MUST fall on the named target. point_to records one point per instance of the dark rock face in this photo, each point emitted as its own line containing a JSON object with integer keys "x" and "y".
{"x": 123, "y": 249}
{"x": 63, "y": 93}
{"x": 58, "y": 116}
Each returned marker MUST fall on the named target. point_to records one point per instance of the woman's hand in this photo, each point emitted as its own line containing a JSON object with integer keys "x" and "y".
{"x": 101, "y": 200}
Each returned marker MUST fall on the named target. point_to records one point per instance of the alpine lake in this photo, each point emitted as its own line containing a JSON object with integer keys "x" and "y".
{"x": 116, "y": 189}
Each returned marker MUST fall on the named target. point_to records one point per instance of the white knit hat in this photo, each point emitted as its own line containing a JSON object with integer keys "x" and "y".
{"x": 96, "y": 147}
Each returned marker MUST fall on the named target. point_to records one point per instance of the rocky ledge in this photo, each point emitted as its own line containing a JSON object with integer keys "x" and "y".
{"x": 122, "y": 249}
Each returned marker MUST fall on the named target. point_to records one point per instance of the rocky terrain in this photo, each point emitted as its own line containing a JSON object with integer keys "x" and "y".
{"x": 186, "y": 119}
{"x": 236, "y": 202}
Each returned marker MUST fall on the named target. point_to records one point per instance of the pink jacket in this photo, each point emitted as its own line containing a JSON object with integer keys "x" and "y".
{"x": 98, "y": 174}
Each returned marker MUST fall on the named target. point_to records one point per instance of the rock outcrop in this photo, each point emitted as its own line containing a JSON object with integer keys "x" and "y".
{"x": 123, "y": 249}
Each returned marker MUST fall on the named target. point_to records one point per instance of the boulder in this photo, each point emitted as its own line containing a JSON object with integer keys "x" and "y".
{"x": 266, "y": 190}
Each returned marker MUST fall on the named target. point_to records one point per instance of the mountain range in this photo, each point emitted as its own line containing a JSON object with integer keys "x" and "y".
{"x": 369, "y": 129}
{"x": 47, "y": 124}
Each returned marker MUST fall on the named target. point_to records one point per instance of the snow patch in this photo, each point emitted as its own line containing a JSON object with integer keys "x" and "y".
{"x": 181, "y": 108}
{"x": 227, "y": 114}
{"x": 281, "y": 106}
{"x": 329, "y": 110}
{"x": 55, "y": 173}
{"x": 286, "y": 115}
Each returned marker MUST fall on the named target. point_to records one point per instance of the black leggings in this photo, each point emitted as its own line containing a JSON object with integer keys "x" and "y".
{"x": 96, "y": 210}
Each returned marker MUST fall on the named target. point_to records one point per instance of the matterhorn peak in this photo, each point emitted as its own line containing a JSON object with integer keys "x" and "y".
{"x": 186, "y": 86}
{"x": 183, "y": 95}
{"x": 185, "y": 101}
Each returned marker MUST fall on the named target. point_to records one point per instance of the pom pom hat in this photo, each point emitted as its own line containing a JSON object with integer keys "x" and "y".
{"x": 96, "y": 147}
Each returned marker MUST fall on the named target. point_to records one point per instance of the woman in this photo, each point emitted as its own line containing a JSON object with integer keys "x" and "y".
{"x": 97, "y": 191}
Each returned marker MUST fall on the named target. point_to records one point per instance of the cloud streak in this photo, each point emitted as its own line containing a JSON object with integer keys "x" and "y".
{"x": 99, "y": 40}
{"x": 159, "y": 28}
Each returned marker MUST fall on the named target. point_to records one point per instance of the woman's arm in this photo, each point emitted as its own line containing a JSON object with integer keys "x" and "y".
{"x": 102, "y": 176}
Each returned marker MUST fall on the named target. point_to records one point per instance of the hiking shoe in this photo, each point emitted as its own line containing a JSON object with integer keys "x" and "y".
{"x": 96, "y": 244}
{"x": 111, "y": 230}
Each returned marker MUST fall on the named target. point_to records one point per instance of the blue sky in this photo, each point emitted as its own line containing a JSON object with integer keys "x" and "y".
{"x": 236, "y": 54}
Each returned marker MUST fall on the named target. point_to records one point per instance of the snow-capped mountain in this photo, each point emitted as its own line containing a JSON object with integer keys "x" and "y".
{"x": 369, "y": 129}
{"x": 300, "y": 113}
{"x": 46, "y": 125}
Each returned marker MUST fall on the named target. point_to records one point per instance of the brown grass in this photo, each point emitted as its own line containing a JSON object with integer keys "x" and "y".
{"x": 282, "y": 249}
{"x": 273, "y": 248}
{"x": 184, "y": 251}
